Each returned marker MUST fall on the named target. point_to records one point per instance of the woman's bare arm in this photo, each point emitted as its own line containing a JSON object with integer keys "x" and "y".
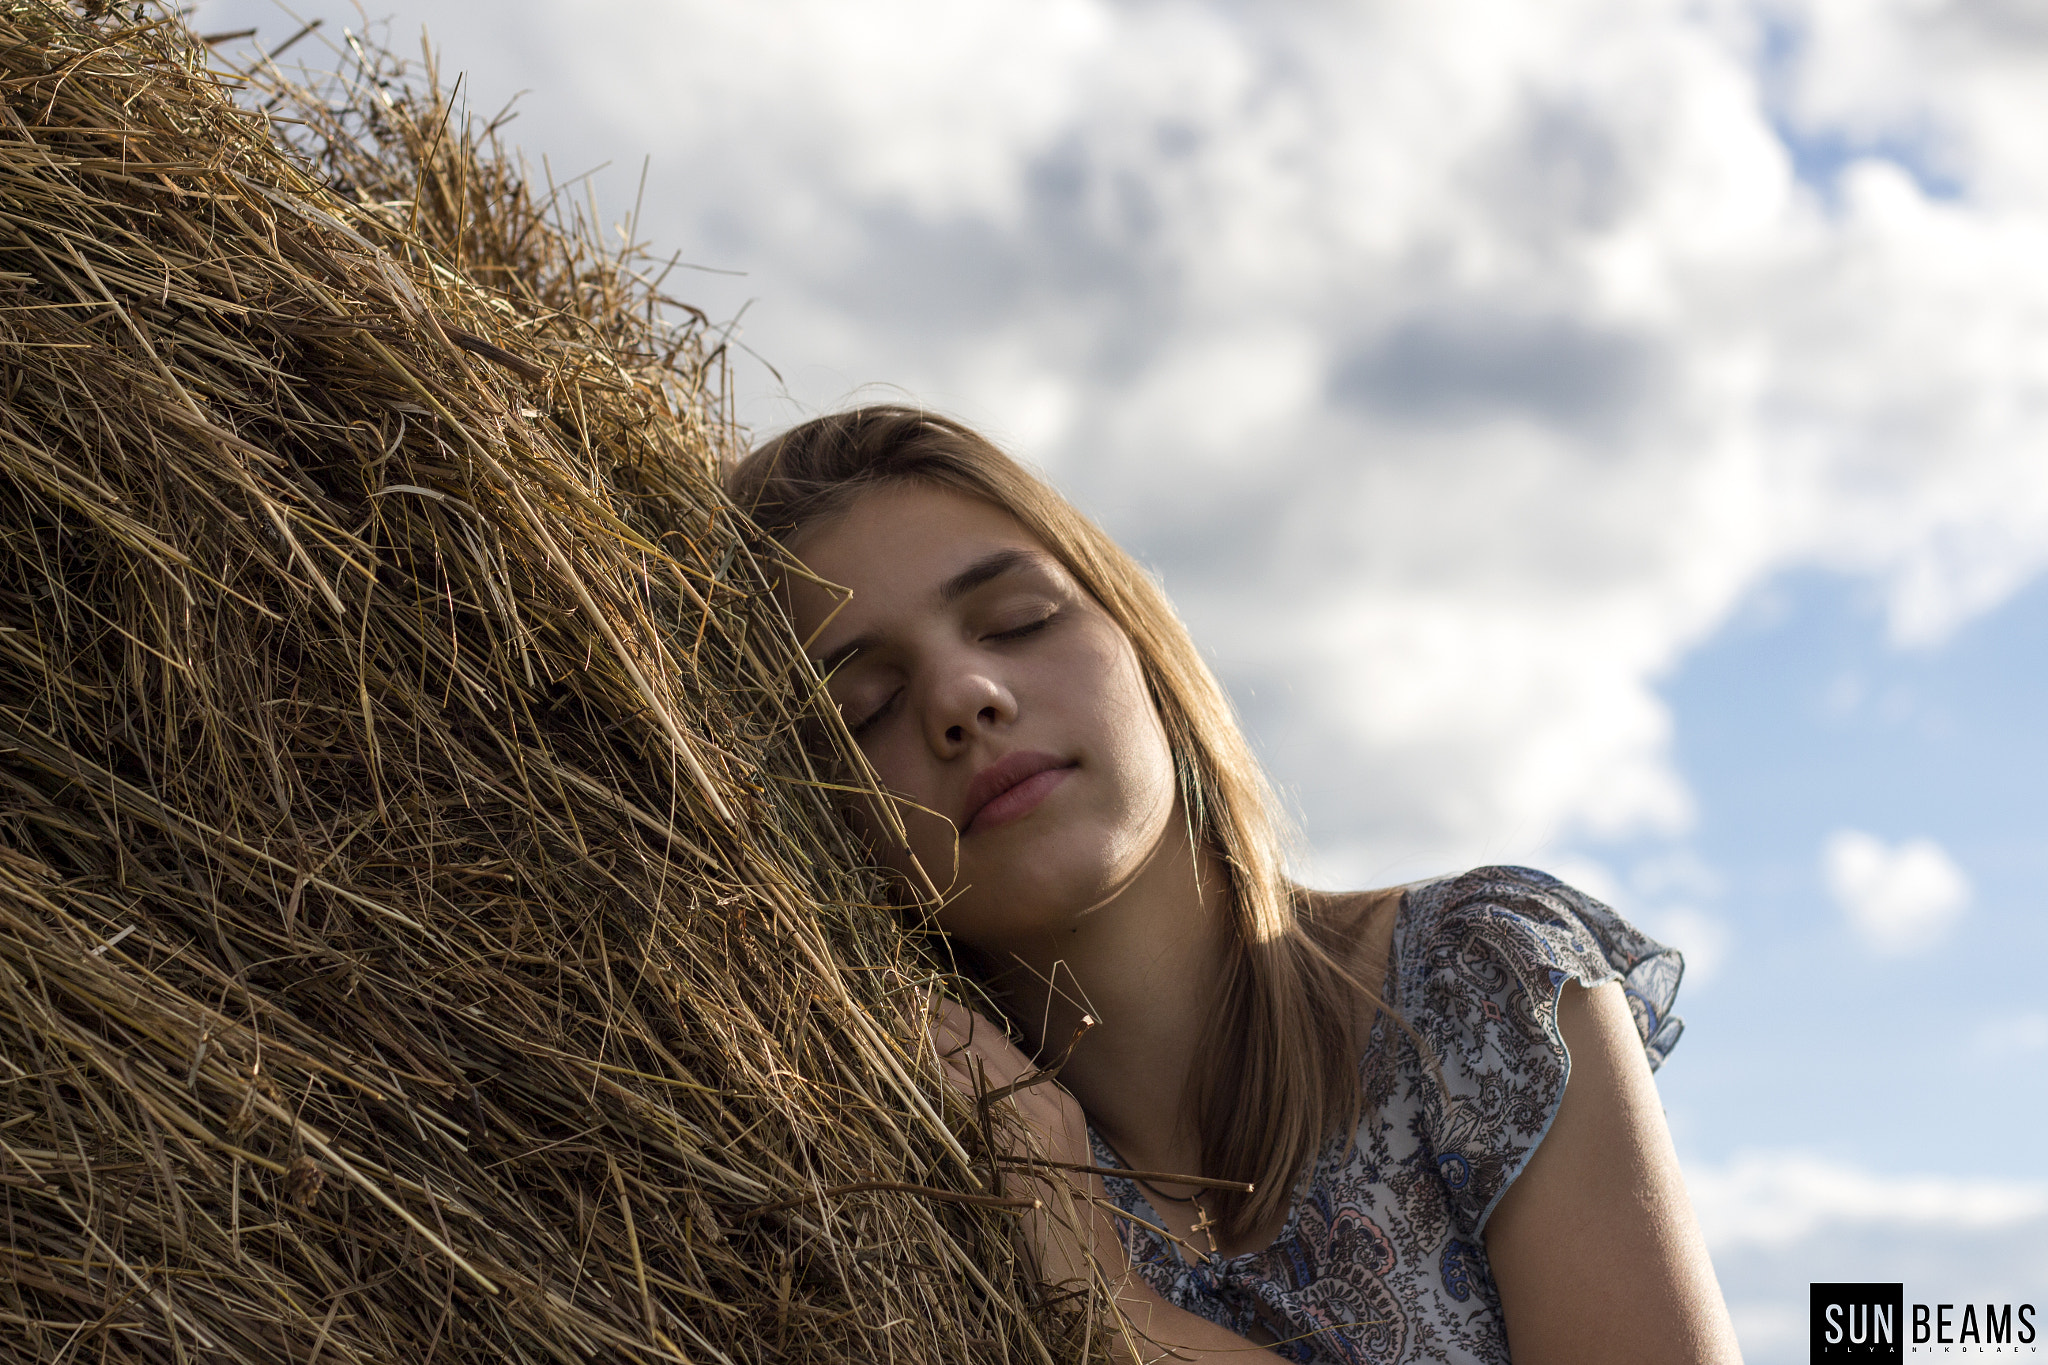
{"x": 1594, "y": 1248}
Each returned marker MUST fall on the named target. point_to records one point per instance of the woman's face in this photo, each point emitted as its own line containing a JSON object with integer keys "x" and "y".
{"x": 997, "y": 701}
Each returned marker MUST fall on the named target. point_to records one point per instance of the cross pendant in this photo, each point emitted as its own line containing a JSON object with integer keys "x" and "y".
{"x": 1205, "y": 1225}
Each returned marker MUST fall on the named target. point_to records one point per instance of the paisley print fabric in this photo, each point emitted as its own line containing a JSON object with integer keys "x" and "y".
{"x": 1383, "y": 1255}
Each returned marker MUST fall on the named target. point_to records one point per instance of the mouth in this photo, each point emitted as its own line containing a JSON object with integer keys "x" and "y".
{"x": 1011, "y": 788}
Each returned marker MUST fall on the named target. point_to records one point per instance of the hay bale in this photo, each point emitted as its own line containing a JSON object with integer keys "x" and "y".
{"x": 424, "y": 934}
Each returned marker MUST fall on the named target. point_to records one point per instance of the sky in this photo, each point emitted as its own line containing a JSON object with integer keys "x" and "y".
{"x": 1606, "y": 436}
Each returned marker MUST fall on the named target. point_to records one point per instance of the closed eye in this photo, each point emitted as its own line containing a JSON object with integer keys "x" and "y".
{"x": 1028, "y": 628}
{"x": 878, "y": 713}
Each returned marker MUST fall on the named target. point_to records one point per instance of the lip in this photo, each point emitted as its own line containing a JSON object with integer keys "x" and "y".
{"x": 1011, "y": 788}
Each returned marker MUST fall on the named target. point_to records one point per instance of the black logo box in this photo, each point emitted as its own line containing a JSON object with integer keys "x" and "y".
{"x": 1863, "y": 1322}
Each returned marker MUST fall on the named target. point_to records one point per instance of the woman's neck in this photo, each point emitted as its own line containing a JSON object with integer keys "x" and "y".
{"x": 1145, "y": 966}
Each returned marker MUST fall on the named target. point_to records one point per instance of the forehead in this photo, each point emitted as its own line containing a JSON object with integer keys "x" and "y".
{"x": 894, "y": 547}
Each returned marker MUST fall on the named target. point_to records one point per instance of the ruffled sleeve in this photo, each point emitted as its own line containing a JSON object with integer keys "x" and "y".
{"x": 1482, "y": 959}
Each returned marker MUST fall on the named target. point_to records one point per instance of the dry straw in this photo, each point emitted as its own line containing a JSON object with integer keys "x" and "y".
{"x": 424, "y": 931}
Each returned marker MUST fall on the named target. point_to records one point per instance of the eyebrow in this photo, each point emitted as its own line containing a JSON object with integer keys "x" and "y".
{"x": 840, "y": 655}
{"x": 982, "y": 571}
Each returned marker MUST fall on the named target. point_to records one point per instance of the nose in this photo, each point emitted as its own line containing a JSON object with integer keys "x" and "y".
{"x": 966, "y": 701}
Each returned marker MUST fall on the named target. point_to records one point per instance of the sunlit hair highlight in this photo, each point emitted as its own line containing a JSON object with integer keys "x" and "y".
{"x": 1285, "y": 1031}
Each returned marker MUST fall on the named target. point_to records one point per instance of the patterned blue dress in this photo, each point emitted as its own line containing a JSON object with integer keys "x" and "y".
{"x": 1382, "y": 1258}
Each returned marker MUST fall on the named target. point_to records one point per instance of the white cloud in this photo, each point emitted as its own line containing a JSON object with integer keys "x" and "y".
{"x": 1898, "y": 899}
{"x": 1775, "y": 1199}
{"x": 1703, "y": 938}
{"x": 1459, "y": 366}
{"x": 1771, "y": 1330}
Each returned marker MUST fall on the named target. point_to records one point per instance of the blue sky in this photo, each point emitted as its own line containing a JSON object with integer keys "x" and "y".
{"x": 1798, "y": 718}
{"x": 1606, "y": 434}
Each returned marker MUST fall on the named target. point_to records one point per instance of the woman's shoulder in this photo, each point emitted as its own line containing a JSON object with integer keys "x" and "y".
{"x": 1499, "y": 932}
{"x": 1480, "y": 963}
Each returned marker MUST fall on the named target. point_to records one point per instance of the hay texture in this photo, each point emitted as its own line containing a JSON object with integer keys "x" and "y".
{"x": 424, "y": 931}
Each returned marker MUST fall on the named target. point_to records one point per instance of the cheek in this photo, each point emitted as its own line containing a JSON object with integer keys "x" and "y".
{"x": 1130, "y": 721}
{"x": 931, "y": 836}
{"x": 1149, "y": 781}
{"x": 1103, "y": 691}
{"x": 899, "y": 766}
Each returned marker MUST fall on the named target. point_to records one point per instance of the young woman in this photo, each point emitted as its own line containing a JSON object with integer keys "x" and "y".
{"x": 1440, "y": 1095}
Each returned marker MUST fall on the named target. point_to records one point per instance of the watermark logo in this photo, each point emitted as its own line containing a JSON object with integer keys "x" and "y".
{"x": 1858, "y": 1322}
{"x": 1872, "y": 1322}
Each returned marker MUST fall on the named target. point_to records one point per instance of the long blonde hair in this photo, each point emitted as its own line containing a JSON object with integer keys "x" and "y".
{"x": 1285, "y": 1033}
